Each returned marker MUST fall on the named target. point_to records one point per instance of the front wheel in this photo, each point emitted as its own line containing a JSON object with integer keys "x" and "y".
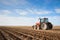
{"x": 34, "y": 27}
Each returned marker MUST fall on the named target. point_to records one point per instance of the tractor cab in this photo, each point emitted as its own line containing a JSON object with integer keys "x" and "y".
{"x": 44, "y": 20}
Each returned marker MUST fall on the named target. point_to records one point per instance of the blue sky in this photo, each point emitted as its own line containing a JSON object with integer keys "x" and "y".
{"x": 27, "y": 12}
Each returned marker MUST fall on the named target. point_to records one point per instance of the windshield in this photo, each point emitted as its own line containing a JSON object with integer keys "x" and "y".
{"x": 44, "y": 20}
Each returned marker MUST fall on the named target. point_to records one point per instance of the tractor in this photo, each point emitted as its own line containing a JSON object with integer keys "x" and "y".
{"x": 43, "y": 24}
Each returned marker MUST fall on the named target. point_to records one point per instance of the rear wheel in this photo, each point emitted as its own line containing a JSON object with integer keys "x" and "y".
{"x": 50, "y": 26}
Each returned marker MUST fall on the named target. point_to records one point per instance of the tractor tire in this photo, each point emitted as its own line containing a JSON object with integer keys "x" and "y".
{"x": 44, "y": 26}
{"x": 34, "y": 27}
{"x": 50, "y": 26}
{"x": 37, "y": 27}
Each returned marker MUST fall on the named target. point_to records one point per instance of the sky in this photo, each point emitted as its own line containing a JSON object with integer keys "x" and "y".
{"x": 27, "y": 12}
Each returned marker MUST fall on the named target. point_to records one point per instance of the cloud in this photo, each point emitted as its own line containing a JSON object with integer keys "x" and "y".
{"x": 14, "y": 2}
{"x": 57, "y": 10}
{"x": 43, "y": 12}
{"x": 25, "y": 12}
{"x": 5, "y": 12}
{"x": 6, "y": 2}
{"x": 39, "y": 11}
{"x": 24, "y": 21}
{"x": 21, "y": 12}
{"x": 23, "y": 2}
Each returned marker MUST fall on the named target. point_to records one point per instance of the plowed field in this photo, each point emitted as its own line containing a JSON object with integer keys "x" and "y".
{"x": 27, "y": 33}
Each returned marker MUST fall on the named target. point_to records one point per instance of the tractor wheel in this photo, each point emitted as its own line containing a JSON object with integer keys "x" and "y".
{"x": 44, "y": 26}
{"x": 50, "y": 26}
{"x": 37, "y": 27}
{"x": 34, "y": 27}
